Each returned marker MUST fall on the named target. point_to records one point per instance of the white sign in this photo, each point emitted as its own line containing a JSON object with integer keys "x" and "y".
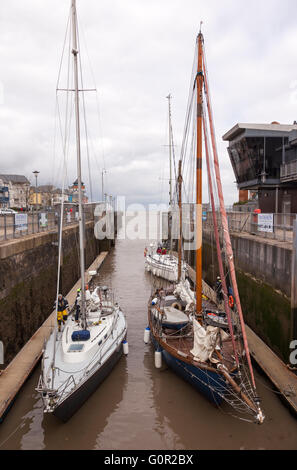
{"x": 68, "y": 217}
{"x": 266, "y": 223}
{"x": 43, "y": 220}
{"x": 21, "y": 222}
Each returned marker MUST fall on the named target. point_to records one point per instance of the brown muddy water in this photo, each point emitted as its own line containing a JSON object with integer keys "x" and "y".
{"x": 137, "y": 406}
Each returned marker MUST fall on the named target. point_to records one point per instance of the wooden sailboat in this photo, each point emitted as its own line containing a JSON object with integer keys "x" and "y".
{"x": 77, "y": 359}
{"x": 158, "y": 260}
{"x": 215, "y": 359}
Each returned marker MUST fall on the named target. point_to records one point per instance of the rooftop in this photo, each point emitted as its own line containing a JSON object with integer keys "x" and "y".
{"x": 18, "y": 179}
{"x": 273, "y": 127}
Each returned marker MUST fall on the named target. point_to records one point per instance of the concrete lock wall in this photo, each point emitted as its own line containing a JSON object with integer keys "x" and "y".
{"x": 263, "y": 272}
{"x": 28, "y": 277}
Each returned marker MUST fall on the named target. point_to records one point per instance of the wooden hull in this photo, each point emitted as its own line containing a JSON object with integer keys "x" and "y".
{"x": 210, "y": 384}
{"x": 73, "y": 402}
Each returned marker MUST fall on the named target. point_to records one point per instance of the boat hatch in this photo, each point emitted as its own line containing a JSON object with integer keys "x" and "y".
{"x": 75, "y": 347}
{"x": 83, "y": 335}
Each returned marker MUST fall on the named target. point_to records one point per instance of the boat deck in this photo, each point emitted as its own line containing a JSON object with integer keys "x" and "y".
{"x": 185, "y": 345}
{"x": 275, "y": 369}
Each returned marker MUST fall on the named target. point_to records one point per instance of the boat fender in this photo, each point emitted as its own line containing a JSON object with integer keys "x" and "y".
{"x": 155, "y": 301}
{"x": 177, "y": 306}
{"x": 125, "y": 348}
{"x": 158, "y": 359}
{"x": 146, "y": 338}
{"x": 82, "y": 335}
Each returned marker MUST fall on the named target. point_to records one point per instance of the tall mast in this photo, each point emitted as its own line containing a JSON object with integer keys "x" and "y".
{"x": 180, "y": 180}
{"x": 170, "y": 157}
{"x": 199, "y": 80}
{"x": 170, "y": 168}
{"x": 216, "y": 233}
{"x": 78, "y": 150}
{"x": 227, "y": 239}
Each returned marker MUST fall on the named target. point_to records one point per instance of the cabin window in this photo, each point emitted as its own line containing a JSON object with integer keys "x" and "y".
{"x": 75, "y": 348}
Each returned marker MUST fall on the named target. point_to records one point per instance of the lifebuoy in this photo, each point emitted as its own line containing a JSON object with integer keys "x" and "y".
{"x": 177, "y": 306}
{"x": 231, "y": 301}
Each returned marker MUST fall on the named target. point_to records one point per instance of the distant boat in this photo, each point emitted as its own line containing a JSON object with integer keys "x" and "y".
{"x": 202, "y": 344}
{"x": 159, "y": 259}
{"x": 77, "y": 359}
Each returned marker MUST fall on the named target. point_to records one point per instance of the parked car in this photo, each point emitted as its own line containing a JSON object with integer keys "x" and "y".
{"x": 7, "y": 212}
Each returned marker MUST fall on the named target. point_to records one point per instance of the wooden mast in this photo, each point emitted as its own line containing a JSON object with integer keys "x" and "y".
{"x": 199, "y": 83}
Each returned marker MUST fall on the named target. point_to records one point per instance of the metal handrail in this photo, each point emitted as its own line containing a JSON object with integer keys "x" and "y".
{"x": 65, "y": 386}
{"x": 10, "y": 230}
{"x": 240, "y": 222}
{"x": 288, "y": 169}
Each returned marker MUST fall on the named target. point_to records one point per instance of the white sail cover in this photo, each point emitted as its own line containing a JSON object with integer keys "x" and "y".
{"x": 206, "y": 341}
{"x": 184, "y": 292}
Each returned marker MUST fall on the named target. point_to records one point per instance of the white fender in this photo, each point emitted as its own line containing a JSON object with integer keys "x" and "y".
{"x": 125, "y": 348}
{"x": 146, "y": 337}
{"x": 158, "y": 359}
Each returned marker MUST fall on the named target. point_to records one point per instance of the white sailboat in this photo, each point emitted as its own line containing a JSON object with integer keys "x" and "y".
{"x": 157, "y": 260}
{"x": 77, "y": 359}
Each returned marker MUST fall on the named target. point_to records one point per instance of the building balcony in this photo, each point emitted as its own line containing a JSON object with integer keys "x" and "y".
{"x": 289, "y": 172}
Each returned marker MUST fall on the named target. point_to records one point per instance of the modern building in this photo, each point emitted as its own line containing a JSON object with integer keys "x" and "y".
{"x": 14, "y": 191}
{"x": 264, "y": 160}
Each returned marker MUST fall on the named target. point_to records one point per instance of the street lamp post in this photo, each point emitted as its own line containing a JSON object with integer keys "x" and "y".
{"x": 36, "y": 173}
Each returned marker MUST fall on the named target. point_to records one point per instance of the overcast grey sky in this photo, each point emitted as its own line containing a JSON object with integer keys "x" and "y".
{"x": 140, "y": 51}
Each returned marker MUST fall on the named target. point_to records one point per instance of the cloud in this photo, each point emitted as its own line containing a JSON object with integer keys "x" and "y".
{"x": 140, "y": 51}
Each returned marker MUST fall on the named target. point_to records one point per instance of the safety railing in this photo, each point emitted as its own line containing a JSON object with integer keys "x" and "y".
{"x": 271, "y": 226}
{"x": 15, "y": 226}
{"x": 288, "y": 171}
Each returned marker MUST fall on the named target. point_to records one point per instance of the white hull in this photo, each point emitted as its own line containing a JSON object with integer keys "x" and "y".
{"x": 164, "y": 266}
{"x": 76, "y": 363}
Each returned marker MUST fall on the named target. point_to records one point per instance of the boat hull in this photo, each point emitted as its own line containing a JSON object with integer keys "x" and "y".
{"x": 75, "y": 400}
{"x": 208, "y": 383}
{"x": 164, "y": 268}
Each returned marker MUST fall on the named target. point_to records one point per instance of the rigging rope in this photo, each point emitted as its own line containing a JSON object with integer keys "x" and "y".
{"x": 97, "y": 102}
{"x": 224, "y": 219}
{"x": 85, "y": 118}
